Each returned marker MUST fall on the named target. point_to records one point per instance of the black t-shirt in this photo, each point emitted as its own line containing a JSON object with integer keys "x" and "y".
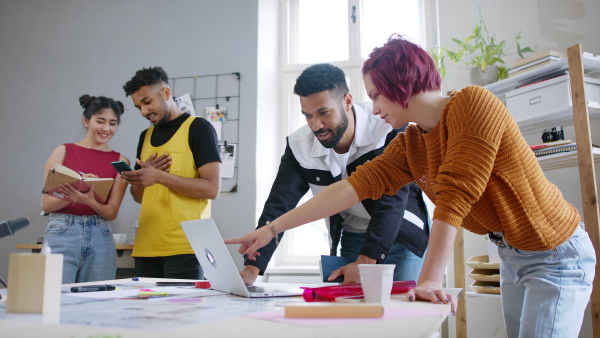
{"x": 202, "y": 139}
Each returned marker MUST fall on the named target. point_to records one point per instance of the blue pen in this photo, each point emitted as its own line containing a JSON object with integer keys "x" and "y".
{"x": 135, "y": 279}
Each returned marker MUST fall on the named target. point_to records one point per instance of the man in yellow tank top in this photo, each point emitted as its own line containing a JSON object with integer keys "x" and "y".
{"x": 177, "y": 173}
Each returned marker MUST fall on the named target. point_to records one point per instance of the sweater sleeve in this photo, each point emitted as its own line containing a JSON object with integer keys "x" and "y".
{"x": 385, "y": 174}
{"x": 475, "y": 122}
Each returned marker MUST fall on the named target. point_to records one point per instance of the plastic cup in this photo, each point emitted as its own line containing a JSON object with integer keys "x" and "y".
{"x": 377, "y": 281}
{"x": 120, "y": 238}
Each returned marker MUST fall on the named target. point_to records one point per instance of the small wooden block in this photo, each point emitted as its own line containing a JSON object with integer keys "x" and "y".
{"x": 34, "y": 283}
{"x": 333, "y": 310}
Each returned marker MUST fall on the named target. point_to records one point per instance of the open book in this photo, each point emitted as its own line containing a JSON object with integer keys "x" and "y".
{"x": 60, "y": 174}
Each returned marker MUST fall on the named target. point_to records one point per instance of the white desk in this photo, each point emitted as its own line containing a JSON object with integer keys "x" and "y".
{"x": 32, "y": 325}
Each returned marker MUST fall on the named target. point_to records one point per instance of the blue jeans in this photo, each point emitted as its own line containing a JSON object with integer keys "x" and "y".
{"x": 545, "y": 293}
{"x": 87, "y": 245}
{"x": 408, "y": 265}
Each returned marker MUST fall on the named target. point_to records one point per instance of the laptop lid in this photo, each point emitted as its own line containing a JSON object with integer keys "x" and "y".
{"x": 217, "y": 263}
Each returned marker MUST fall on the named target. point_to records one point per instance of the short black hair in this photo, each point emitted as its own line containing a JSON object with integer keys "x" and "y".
{"x": 321, "y": 77}
{"x": 145, "y": 77}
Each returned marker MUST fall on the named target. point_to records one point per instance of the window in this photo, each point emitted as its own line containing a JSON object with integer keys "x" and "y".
{"x": 343, "y": 33}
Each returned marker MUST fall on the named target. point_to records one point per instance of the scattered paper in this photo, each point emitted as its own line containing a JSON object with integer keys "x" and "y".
{"x": 228, "y": 153}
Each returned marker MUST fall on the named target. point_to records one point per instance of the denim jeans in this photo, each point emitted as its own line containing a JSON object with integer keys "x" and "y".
{"x": 177, "y": 266}
{"x": 545, "y": 293}
{"x": 87, "y": 245}
{"x": 408, "y": 265}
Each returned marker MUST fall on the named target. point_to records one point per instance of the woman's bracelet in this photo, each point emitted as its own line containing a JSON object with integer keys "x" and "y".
{"x": 274, "y": 232}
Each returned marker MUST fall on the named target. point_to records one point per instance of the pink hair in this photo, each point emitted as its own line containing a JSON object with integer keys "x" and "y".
{"x": 400, "y": 69}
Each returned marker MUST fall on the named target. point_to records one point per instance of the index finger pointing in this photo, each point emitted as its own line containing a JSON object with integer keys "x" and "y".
{"x": 236, "y": 240}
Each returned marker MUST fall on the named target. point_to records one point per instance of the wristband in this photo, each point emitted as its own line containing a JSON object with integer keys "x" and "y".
{"x": 274, "y": 232}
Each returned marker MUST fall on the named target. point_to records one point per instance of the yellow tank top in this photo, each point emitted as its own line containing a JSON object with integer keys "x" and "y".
{"x": 162, "y": 210}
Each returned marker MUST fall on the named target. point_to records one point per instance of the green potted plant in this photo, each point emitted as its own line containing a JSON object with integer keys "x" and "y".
{"x": 481, "y": 53}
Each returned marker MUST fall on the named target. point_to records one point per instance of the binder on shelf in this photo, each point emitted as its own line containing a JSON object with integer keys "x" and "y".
{"x": 569, "y": 147}
{"x": 556, "y": 149}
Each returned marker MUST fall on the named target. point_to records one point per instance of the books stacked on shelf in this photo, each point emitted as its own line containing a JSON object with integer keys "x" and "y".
{"x": 549, "y": 148}
{"x": 486, "y": 275}
{"x": 535, "y": 61}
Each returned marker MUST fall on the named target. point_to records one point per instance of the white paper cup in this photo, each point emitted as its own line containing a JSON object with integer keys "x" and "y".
{"x": 376, "y": 281}
{"x": 120, "y": 238}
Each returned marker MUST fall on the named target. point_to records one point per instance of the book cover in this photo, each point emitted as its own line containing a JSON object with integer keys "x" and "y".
{"x": 330, "y": 264}
{"x": 59, "y": 174}
{"x": 547, "y": 62}
{"x": 551, "y": 144}
{"x": 528, "y": 59}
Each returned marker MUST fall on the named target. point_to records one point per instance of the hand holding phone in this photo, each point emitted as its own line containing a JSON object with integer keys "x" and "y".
{"x": 121, "y": 166}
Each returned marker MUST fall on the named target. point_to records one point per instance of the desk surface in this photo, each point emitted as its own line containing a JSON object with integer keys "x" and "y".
{"x": 214, "y": 316}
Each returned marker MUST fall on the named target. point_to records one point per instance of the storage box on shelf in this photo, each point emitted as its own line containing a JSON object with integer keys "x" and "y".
{"x": 547, "y": 99}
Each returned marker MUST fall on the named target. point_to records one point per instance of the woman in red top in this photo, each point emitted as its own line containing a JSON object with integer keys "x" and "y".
{"x": 78, "y": 225}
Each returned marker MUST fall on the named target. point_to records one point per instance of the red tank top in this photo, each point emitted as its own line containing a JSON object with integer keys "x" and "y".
{"x": 89, "y": 161}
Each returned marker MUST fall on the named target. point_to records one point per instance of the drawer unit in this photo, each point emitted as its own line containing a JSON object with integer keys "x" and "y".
{"x": 536, "y": 100}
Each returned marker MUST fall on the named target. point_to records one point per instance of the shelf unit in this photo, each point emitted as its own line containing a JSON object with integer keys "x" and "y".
{"x": 579, "y": 65}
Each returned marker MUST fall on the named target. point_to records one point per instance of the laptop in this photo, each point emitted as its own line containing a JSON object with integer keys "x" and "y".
{"x": 218, "y": 266}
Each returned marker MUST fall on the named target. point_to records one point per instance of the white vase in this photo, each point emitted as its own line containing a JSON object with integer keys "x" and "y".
{"x": 482, "y": 78}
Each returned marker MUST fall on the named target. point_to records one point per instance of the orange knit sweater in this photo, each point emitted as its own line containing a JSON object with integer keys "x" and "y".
{"x": 479, "y": 172}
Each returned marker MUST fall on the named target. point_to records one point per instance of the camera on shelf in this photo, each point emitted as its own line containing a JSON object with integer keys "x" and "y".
{"x": 554, "y": 134}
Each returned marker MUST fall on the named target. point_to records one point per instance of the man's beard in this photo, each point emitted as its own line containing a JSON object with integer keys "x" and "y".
{"x": 336, "y": 135}
{"x": 165, "y": 117}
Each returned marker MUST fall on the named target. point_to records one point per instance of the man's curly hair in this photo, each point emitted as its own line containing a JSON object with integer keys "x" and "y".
{"x": 321, "y": 77}
{"x": 145, "y": 77}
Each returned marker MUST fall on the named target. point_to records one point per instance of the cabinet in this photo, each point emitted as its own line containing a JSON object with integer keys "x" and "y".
{"x": 579, "y": 66}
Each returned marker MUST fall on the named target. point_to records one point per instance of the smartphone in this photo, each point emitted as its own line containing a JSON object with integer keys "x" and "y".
{"x": 121, "y": 166}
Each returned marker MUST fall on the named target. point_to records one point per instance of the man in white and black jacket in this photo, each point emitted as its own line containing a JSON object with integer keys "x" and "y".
{"x": 338, "y": 137}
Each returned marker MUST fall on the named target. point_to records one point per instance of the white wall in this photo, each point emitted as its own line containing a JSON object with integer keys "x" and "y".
{"x": 53, "y": 51}
{"x": 544, "y": 24}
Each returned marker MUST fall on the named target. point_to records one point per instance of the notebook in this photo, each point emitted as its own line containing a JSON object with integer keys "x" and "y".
{"x": 331, "y": 263}
{"x": 218, "y": 266}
